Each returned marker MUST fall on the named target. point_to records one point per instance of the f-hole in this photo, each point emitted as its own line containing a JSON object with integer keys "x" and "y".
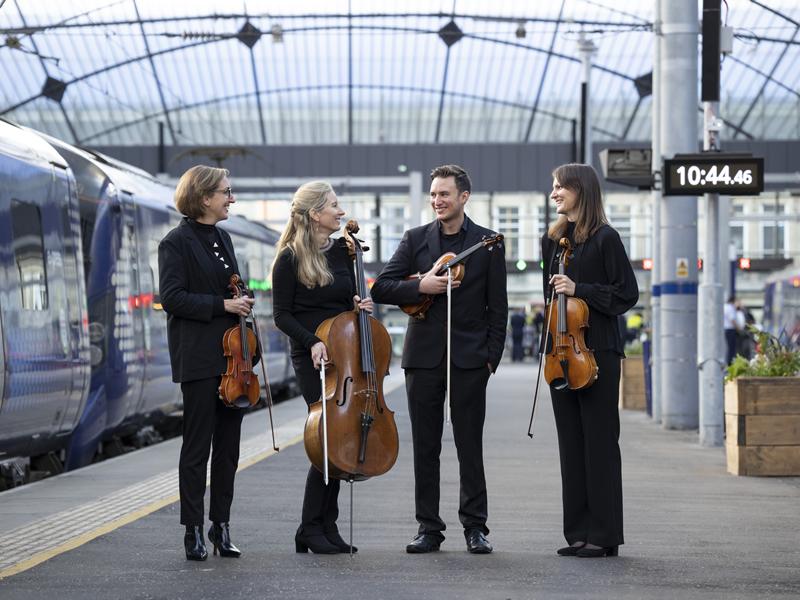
{"x": 348, "y": 384}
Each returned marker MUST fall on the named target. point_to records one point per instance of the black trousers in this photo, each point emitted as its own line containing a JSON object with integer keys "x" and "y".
{"x": 207, "y": 422}
{"x": 426, "y": 395}
{"x": 587, "y": 422}
{"x": 320, "y": 502}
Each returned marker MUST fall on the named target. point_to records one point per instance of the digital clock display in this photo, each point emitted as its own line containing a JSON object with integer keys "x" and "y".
{"x": 717, "y": 173}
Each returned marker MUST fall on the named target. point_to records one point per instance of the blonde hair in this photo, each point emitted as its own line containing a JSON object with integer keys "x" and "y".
{"x": 583, "y": 180}
{"x": 298, "y": 235}
{"x": 196, "y": 184}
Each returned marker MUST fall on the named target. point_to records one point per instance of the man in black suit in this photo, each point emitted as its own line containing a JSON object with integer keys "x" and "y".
{"x": 478, "y": 321}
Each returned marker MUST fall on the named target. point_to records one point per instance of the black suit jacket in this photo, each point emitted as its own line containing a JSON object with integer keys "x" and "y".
{"x": 193, "y": 299}
{"x": 480, "y": 304}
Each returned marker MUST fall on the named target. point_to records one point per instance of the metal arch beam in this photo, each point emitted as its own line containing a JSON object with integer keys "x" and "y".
{"x": 258, "y": 98}
{"x": 316, "y": 28}
{"x": 67, "y": 120}
{"x": 774, "y": 67}
{"x": 293, "y": 89}
{"x": 155, "y": 73}
{"x": 779, "y": 84}
{"x": 634, "y": 112}
{"x": 529, "y": 128}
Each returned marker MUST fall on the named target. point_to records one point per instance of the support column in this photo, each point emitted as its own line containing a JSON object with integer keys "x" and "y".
{"x": 678, "y": 219}
{"x": 655, "y": 196}
{"x": 586, "y": 49}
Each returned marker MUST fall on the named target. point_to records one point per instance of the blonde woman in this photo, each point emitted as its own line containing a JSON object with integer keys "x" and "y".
{"x": 313, "y": 280}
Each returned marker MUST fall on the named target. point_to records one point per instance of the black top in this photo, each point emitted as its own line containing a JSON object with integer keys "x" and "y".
{"x": 603, "y": 277}
{"x": 298, "y": 310}
{"x": 211, "y": 240}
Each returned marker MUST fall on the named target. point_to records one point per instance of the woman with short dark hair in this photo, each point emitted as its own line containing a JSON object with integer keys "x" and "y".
{"x": 195, "y": 263}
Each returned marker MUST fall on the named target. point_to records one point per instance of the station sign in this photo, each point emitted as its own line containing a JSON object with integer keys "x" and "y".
{"x": 713, "y": 173}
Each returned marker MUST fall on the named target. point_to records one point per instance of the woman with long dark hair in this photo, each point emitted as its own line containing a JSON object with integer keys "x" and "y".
{"x": 587, "y": 420}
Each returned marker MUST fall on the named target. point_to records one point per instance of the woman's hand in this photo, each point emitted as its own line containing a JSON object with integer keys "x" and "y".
{"x": 239, "y": 306}
{"x": 563, "y": 285}
{"x": 319, "y": 353}
{"x": 365, "y": 304}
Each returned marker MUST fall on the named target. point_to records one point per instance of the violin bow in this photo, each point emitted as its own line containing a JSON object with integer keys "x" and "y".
{"x": 449, "y": 317}
{"x": 541, "y": 362}
{"x": 325, "y": 425}
{"x": 266, "y": 379}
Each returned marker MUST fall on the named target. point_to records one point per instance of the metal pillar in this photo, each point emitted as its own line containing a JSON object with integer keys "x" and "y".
{"x": 710, "y": 346}
{"x": 655, "y": 279}
{"x": 415, "y": 191}
{"x": 678, "y": 225}
{"x": 586, "y": 49}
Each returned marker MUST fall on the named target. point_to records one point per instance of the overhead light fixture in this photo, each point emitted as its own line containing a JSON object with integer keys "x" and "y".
{"x": 249, "y": 34}
{"x": 277, "y": 33}
{"x": 450, "y": 33}
{"x": 54, "y": 89}
{"x": 520, "y": 32}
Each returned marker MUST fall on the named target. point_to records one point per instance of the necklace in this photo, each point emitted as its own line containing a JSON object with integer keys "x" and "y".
{"x": 327, "y": 245}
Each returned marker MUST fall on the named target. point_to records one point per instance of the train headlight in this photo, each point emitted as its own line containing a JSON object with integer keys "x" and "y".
{"x": 95, "y": 355}
{"x": 97, "y": 332}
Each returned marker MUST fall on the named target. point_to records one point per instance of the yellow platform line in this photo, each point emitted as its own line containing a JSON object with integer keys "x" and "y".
{"x": 80, "y": 540}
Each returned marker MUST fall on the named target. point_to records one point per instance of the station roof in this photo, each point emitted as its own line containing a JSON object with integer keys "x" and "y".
{"x": 107, "y": 72}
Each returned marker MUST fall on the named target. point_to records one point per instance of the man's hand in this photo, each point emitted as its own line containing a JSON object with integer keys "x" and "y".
{"x": 435, "y": 284}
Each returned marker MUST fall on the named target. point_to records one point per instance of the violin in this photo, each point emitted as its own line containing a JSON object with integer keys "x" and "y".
{"x": 569, "y": 363}
{"x": 356, "y": 431}
{"x": 239, "y": 387}
{"x": 448, "y": 260}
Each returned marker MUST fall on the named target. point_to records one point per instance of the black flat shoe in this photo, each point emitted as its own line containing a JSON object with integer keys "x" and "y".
{"x": 334, "y": 538}
{"x": 219, "y": 534}
{"x": 477, "y": 542}
{"x": 570, "y": 550}
{"x": 317, "y": 543}
{"x": 597, "y": 552}
{"x": 424, "y": 543}
{"x": 194, "y": 543}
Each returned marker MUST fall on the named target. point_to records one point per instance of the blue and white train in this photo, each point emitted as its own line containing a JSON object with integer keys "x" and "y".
{"x": 781, "y": 315}
{"x": 84, "y": 353}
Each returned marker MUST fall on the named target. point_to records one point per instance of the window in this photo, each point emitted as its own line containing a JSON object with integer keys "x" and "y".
{"x": 772, "y": 232}
{"x": 508, "y": 225}
{"x": 620, "y": 219}
{"x": 28, "y": 245}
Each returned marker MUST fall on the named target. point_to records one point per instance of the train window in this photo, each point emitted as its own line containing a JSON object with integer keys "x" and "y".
{"x": 26, "y": 222}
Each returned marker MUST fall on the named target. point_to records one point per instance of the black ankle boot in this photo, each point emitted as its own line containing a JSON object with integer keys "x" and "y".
{"x": 334, "y": 538}
{"x": 219, "y": 534}
{"x": 316, "y": 542}
{"x": 194, "y": 543}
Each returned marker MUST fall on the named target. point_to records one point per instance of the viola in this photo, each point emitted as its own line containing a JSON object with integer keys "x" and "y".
{"x": 239, "y": 387}
{"x": 357, "y": 432}
{"x": 569, "y": 363}
{"x": 454, "y": 262}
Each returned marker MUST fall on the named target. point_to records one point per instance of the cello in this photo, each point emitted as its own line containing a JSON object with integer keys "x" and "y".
{"x": 350, "y": 433}
{"x": 569, "y": 362}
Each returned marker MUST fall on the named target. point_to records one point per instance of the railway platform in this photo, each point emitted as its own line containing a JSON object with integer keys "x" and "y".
{"x": 692, "y": 530}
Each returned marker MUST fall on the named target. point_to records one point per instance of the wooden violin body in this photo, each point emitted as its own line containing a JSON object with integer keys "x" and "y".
{"x": 569, "y": 363}
{"x": 239, "y": 387}
{"x": 350, "y": 395}
{"x": 362, "y": 439}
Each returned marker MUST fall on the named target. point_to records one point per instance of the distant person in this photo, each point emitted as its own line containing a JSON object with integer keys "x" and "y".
{"x": 517, "y": 333}
{"x": 730, "y": 325}
{"x": 195, "y": 263}
{"x": 745, "y": 320}
{"x": 479, "y": 321}
{"x": 587, "y": 420}
{"x": 538, "y": 323}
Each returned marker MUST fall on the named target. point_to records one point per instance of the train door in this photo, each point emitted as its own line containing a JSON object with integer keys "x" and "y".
{"x": 74, "y": 312}
{"x": 129, "y": 295}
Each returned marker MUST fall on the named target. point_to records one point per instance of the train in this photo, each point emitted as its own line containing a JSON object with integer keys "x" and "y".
{"x": 85, "y": 365}
{"x": 781, "y": 315}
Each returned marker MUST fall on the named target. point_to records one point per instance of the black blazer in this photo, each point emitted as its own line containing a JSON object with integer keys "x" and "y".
{"x": 480, "y": 304}
{"x": 193, "y": 299}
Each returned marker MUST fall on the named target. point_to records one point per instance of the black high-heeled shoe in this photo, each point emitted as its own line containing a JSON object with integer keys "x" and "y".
{"x": 334, "y": 538}
{"x": 194, "y": 543}
{"x": 219, "y": 534}
{"x": 316, "y": 542}
{"x": 570, "y": 550}
{"x": 598, "y": 552}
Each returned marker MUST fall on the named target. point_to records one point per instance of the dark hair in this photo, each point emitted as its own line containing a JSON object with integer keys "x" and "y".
{"x": 463, "y": 184}
{"x": 583, "y": 180}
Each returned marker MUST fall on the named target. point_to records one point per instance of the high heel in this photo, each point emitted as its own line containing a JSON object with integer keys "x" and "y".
{"x": 194, "y": 544}
{"x": 317, "y": 543}
{"x": 570, "y": 550}
{"x": 220, "y": 535}
{"x": 598, "y": 552}
{"x": 334, "y": 538}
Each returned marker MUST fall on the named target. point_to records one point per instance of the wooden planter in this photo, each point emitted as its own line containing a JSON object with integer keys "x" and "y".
{"x": 631, "y": 384}
{"x": 762, "y": 425}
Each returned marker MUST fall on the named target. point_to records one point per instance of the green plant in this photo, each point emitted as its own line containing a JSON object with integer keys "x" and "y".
{"x": 772, "y": 359}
